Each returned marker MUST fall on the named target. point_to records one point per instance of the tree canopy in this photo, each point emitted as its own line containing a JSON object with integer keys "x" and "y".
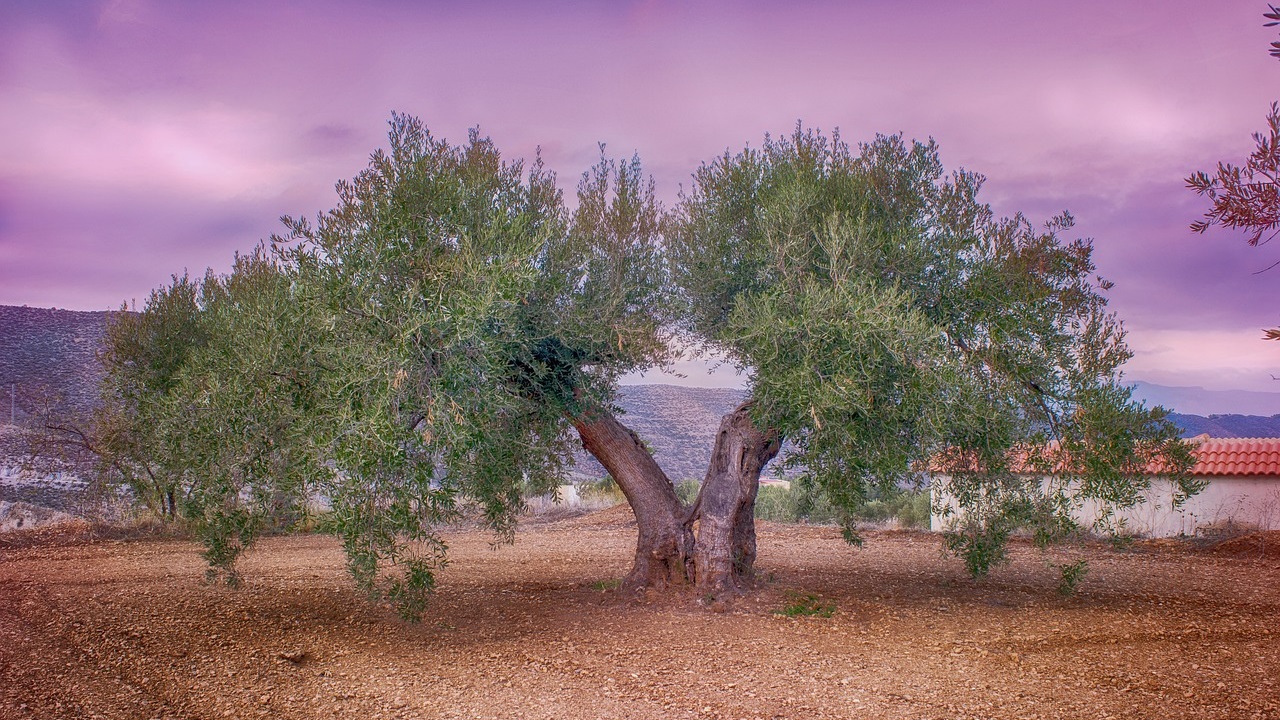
{"x": 208, "y": 399}
{"x": 441, "y": 336}
{"x": 890, "y": 322}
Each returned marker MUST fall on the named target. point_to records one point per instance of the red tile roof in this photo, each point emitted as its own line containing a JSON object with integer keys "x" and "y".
{"x": 1236, "y": 456}
{"x": 1258, "y": 457}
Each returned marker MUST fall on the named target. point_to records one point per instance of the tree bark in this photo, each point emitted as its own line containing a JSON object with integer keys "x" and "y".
{"x": 725, "y": 551}
{"x": 664, "y": 545}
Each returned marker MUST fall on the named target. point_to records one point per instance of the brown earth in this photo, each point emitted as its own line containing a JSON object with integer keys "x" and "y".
{"x": 127, "y": 629}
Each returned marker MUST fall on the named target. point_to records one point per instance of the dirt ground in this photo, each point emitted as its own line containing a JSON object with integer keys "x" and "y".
{"x": 127, "y": 629}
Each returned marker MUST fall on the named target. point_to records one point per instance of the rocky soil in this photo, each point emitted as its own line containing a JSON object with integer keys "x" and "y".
{"x": 92, "y": 627}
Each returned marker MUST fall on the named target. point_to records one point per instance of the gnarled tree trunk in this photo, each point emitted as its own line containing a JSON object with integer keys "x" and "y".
{"x": 725, "y": 550}
{"x": 719, "y": 560}
{"x": 664, "y": 546}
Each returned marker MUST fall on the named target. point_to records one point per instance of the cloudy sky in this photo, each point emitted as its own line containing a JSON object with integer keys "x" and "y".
{"x": 139, "y": 138}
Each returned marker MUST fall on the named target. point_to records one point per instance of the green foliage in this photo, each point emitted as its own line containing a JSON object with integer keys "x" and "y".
{"x": 1072, "y": 574}
{"x": 606, "y": 585}
{"x": 206, "y": 393}
{"x": 808, "y": 504}
{"x": 981, "y": 546}
{"x": 890, "y": 322}
{"x": 143, "y": 357}
{"x": 773, "y": 503}
{"x": 805, "y": 605}
{"x": 909, "y": 508}
{"x": 778, "y": 503}
{"x": 687, "y": 491}
{"x": 605, "y": 489}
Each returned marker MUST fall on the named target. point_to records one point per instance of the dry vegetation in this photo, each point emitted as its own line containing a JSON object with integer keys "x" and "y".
{"x": 120, "y": 628}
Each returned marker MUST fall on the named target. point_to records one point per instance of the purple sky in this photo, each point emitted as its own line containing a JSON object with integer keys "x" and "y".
{"x": 142, "y": 137}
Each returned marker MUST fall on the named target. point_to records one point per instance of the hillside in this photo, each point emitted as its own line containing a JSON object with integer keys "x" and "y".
{"x": 1198, "y": 401}
{"x": 679, "y": 423}
{"x": 1228, "y": 426}
{"x": 49, "y": 355}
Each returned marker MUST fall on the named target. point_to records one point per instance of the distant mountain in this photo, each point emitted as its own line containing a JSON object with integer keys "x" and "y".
{"x": 1228, "y": 426}
{"x": 49, "y": 355}
{"x": 1198, "y": 401}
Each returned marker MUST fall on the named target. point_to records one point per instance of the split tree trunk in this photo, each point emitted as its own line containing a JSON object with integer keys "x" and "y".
{"x": 725, "y": 551}
{"x": 719, "y": 561}
{"x": 664, "y": 545}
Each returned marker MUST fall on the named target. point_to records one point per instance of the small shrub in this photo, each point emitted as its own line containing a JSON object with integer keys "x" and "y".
{"x": 916, "y": 510}
{"x": 909, "y": 508}
{"x": 603, "y": 490}
{"x": 876, "y": 511}
{"x": 1072, "y": 574}
{"x": 774, "y": 503}
{"x": 981, "y": 547}
{"x": 687, "y": 491}
{"x": 606, "y": 585}
{"x": 806, "y": 605}
{"x": 810, "y": 504}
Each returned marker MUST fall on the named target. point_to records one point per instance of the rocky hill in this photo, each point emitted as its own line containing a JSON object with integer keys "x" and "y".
{"x": 48, "y": 355}
{"x": 678, "y": 423}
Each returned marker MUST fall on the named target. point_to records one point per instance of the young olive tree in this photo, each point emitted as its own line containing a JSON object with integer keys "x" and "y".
{"x": 143, "y": 357}
{"x": 206, "y": 405}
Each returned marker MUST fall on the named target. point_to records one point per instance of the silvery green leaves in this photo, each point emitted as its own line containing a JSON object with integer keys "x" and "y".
{"x": 206, "y": 398}
{"x": 848, "y": 372}
{"x": 893, "y": 325}
{"x": 419, "y": 275}
{"x": 467, "y": 314}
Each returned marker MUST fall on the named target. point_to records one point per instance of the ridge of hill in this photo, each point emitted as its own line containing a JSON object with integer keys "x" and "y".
{"x": 1228, "y": 425}
{"x": 1198, "y": 401}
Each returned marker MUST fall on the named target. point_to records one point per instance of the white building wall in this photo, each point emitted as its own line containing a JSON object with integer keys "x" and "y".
{"x": 1249, "y": 501}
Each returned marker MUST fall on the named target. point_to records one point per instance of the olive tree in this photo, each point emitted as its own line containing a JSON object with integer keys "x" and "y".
{"x": 451, "y": 329}
{"x": 206, "y": 406}
{"x": 890, "y": 324}
{"x": 143, "y": 356}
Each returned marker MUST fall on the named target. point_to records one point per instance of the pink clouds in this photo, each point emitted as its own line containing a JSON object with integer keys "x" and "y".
{"x": 139, "y": 137}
